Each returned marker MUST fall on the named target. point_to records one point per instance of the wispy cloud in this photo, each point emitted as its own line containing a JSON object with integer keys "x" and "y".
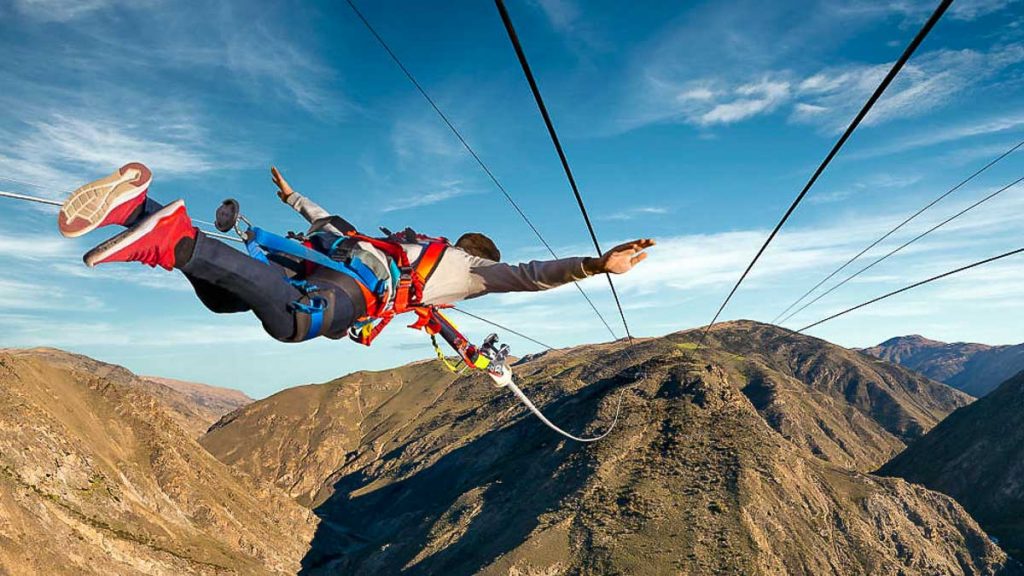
{"x": 1012, "y": 123}
{"x": 865, "y": 185}
{"x": 634, "y": 213}
{"x": 827, "y": 98}
{"x": 29, "y": 247}
{"x": 59, "y": 150}
{"x": 966, "y": 11}
{"x": 67, "y": 10}
{"x": 446, "y": 191}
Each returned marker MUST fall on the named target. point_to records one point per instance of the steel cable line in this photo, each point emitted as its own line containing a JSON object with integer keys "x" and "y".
{"x": 904, "y": 245}
{"x": 911, "y": 48}
{"x": 898, "y": 227}
{"x": 472, "y": 152}
{"x": 500, "y": 327}
{"x": 911, "y": 287}
{"x": 558, "y": 147}
{"x": 47, "y": 201}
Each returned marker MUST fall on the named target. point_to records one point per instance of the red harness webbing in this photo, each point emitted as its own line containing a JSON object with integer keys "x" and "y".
{"x": 408, "y": 292}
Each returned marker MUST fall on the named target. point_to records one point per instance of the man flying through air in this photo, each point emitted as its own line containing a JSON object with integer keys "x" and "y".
{"x": 299, "y": 299}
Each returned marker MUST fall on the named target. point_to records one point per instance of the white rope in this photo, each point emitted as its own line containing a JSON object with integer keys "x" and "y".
{"x": 536, "y": 411}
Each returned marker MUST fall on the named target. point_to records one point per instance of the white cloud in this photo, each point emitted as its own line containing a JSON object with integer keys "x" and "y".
{"x": 828, "y": 97}
{"x": 61, "y": 150}
{"x": 446, "y": 191}
{"x": 414, "y": 138}
{"x": 67, "y": 10}
{"x": 749, "y": 100}
{"x": 634, "y": 213}
{"x": 1010, "y": 122}
{"x": 125, "y": 274}
{"x": 270, "y": 63}
{"x": 562, "y": 14}
{"x": 33, "y": 246}
{"x": 965, "y": 10}
{"x": 831, "y": 97}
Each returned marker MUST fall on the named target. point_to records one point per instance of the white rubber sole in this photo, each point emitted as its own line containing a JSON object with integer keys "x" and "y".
{"x": 88, "y": 206}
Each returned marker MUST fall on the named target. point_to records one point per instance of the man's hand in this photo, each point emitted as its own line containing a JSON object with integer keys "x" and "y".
{"x": 620, "y": 259}
{"x": 284, "y": 190}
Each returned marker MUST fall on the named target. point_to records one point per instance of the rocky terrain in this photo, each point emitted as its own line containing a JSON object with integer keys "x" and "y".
{"x": 974, "y": 368}
{"x": 202, "y": 404}
{"x": 836, "y": 403}
{"x": 744, "y": 457}
{"x": 977, "y": 456}
{"x": 98, "y": 476}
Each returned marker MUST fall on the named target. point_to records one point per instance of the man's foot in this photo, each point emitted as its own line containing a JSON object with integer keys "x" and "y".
{"x": 110, "y": 200}
{"x": 152, "y": 241}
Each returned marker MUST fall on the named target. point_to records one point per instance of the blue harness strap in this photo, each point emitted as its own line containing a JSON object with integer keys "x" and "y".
{"x": 279, "y": 245}
{"x": 262, "y": 243}
{"x": 315, "y": 309}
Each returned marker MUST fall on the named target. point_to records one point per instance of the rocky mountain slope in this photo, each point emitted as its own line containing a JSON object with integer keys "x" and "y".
{"x": 204, "y": 404}
{"x": 712, "y": 469}
{"x": 974, "y": 368}
{"x": 96, "y": 477}
{"x": 194, "y": 407}
{"x": 977, "y": 456}
{"x": 834, "y": 402}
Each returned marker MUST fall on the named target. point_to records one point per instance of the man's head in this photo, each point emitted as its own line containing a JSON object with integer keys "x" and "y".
{"x": 478, "y": 245}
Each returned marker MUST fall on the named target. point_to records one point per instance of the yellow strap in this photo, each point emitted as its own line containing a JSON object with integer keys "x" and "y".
{"x": 444, "y": 359}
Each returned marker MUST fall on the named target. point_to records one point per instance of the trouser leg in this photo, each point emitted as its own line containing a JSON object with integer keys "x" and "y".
{"x": 215, "y": 268}
{"x": 214, "y": 297}
{"x": 228, "y": 280}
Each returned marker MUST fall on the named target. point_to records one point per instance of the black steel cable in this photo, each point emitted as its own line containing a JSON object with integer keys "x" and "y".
{"x": 500, "y": 327}
{"x": 897, "y": 228}
{"x": 904, "y": 245}
{"x": 912, "y": 286}
{"x": 558, "y": 147}
{"x": 472, "y": 152}
{"x": 911, "y": 48}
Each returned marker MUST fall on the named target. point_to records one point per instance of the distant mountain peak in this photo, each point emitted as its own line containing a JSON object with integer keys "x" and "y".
{"x": 974, "y": 368}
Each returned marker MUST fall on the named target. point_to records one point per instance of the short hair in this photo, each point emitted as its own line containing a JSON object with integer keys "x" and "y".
{"x": 478, "y": 245}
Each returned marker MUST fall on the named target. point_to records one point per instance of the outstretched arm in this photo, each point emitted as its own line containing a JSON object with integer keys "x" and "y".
{"x": 309, "y": 210}
{"x": 493, "y": 277}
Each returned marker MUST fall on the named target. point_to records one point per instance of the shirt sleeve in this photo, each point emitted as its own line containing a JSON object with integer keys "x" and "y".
{"x": 310, "y": 210}
{"x": 487, "y": 277}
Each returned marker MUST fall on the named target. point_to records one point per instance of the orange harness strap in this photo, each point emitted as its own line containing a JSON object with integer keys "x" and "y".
{"x": 408, "y": 292}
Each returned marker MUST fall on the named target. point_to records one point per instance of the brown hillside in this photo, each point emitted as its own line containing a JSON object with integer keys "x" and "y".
{"x": 977, "y": 456}
{"x": 207, "y": 403}
{"x": 96, "y": 478}
{"x": 416, "y": 471}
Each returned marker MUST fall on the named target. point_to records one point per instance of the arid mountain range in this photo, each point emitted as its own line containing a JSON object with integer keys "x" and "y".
{"x": 99, "y": 476}
{"x": 974, "y": 368}
{"x": 751, "y": 455}
{"x": 977, "y": 456}
{"x": 728, "y": 460}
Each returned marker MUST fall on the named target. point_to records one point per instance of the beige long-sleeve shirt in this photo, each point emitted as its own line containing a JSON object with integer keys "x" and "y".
{"x": 460, "y": 275}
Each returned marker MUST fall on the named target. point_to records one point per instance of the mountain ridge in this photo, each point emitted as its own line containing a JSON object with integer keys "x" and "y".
{"x": 98, "y": 477}
{"x": 976, "y": 455}
{"x": 973, "y": 368}
{"x": 458, "y": 479}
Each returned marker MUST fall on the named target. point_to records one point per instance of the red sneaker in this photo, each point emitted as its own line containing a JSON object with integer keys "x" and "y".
{"x": 151, "y": 241}
{"x": 109, "y": 200}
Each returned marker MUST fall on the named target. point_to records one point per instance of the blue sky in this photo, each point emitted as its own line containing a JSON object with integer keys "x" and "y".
{"x": 694, "y": 124}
